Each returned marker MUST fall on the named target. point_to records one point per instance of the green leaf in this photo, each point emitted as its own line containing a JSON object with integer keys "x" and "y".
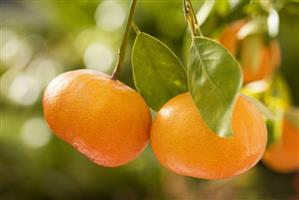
{"x": 222, "y": 7}
{"x": 256, "y": 89}
{"x": 158, "y": 73}
{"x": 214, "y": 79}
{"x": 277, "y": 97}
{"x": 267, "y": 113}
{"x": 274, "y": 129}
{"x": 273, "y": 119}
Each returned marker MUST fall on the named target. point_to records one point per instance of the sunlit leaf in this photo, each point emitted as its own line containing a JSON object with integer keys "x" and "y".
{"x": 261, "y": 107}
{"x": 274, "y": 128}
{"x": 256, "y": 89}
{"x": 222, "y": 7}
{"x": 277, "y": 97}
{"x": 214, "y": 79}
{"x": 158, "y": 74}
{"x": 273, "y": 121}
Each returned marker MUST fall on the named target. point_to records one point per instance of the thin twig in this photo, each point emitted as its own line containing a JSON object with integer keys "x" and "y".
{"x": 136, "y": 28}
{"x": 191, "y": 19}
{"x": 124, "y": 42}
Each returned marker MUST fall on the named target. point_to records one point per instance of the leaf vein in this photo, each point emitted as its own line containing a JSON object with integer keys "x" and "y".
{"x": 209, "y": 78}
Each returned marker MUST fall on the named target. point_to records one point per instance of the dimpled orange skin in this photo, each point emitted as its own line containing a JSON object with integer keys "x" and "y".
{"x": 184, "y": 144}
{"x": 270, "y": 56}
{"x": 103, "y": 119}
{"x": 283, "y": 156}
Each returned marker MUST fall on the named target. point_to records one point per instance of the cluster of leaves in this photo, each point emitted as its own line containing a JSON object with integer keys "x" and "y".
{"x": 213, "y": 77}
{"x": 211, "y": 74}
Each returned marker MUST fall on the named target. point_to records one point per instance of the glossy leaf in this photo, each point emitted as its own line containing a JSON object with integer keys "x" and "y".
{"x": 214, "y": 79}
{"x": 158, "y": 74}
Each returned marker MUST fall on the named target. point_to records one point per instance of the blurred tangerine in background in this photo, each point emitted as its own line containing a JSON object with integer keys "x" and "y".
{"x": 283, "y": 156}
{"x": 258, "y": 58}
{"x": 184, "y": 144}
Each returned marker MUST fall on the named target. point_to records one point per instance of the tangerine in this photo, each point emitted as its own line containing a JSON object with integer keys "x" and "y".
{"x": 258, "y": 60}
{"x": 183, "y": 143}
{"x": 283, "y": 156}
{"x": 104, "y": 119}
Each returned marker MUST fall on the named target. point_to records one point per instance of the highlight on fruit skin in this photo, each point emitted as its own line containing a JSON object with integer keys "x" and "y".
{"x": 283, "y": 156}
{"x": 257, "y": 64}
{"x": 104, "y": 119}
{"x": 184, "y": 144}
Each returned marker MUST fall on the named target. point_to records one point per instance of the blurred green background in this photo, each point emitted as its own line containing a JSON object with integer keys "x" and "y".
{"x": 40, "y": 39}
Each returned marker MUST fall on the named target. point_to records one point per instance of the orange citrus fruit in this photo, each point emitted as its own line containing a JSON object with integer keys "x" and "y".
{"x": 283, "y": 156}
{"x": 183, "y": 143}
{"x": 258, "y": 60}
{"x": 103, "y": 119}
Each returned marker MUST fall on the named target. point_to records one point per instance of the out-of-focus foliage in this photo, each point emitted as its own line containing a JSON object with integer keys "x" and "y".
{"x": 40, "y": 39}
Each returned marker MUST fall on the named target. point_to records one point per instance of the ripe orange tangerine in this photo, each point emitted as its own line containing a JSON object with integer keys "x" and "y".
{"x": 183, "y": 143}
{"x": 103, "y": 119}
{"x": 258, "y": 63}
{"x": 283, "y": 156}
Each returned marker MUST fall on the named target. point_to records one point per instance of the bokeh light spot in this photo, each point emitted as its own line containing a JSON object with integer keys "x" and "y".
{"x": 98, "y": 56}
{"x": 9, "y": 49}
{"x": 35, "y": 133}
{"x": 15, "y": 53}
{"x": 24, "y": 90}
{"x": 44, "y": 69}
{"x": 110, "y": 15}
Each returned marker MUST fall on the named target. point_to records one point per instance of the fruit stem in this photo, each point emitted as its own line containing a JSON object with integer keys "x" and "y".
{"x": 136, "y": 28}
{"x": 191, "y": 19}
{"x": 124, "y": 42}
